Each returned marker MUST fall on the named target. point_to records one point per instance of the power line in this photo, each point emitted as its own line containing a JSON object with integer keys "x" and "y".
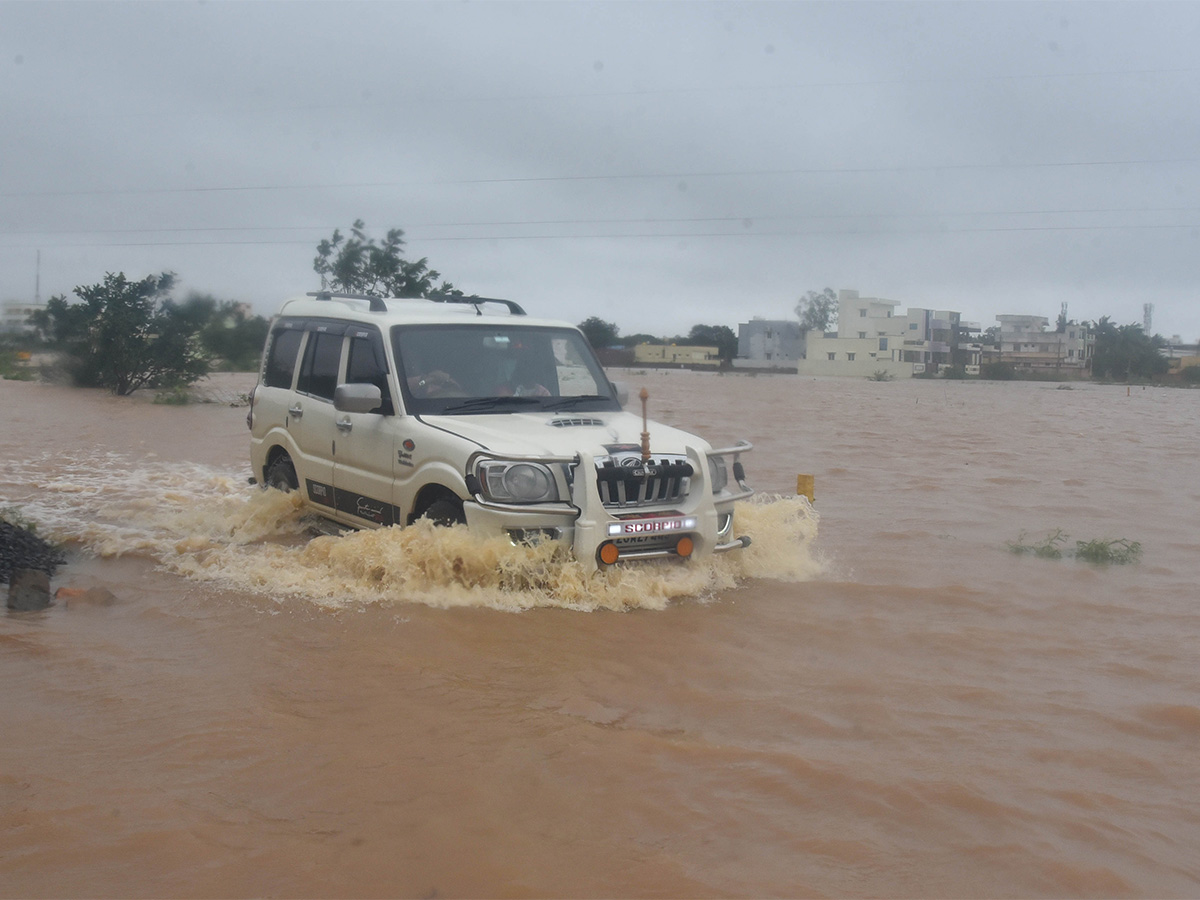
{"x": 575, "y": 96}
{"x": 747, "y": 220}
{"x": 626, "y": 176}
{"x": 637, "y": 220}
{"x": 746, "y": 233}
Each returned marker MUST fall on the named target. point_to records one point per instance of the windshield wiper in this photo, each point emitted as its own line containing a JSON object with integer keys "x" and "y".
{"x": 568, "y": 402}
{"x": 490, "y": 402}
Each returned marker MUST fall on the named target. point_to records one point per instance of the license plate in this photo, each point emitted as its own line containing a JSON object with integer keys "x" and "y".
{"x": 648, "y": 527}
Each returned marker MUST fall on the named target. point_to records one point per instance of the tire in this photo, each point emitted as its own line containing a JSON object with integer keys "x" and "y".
{"x": 281, "y": 474}
{"x": 445, "y": 511}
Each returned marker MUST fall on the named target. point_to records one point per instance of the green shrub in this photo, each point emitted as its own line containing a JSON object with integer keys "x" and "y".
{"x": 176, "y": 396}
{"x": 1118, "y": 552}
{"x": 1050, "y": 548}
{"x": 997, "y": 371}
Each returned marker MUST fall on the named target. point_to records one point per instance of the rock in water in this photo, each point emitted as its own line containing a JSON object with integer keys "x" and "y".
{"x": 28, "y": 589}
{"x": 20, "y": 548}
{"x": 77, "y": 597}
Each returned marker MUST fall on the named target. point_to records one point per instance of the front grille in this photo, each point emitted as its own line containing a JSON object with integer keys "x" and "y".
{"x": 627, "y": 482}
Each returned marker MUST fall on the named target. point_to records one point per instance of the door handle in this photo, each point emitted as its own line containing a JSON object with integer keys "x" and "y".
{"x": 344, "y": 424}
{"x": 296, "y": 410}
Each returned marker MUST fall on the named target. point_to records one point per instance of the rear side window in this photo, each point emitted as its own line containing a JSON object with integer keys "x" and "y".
{"x": 281, "y": 359}
{"x": 319, "y": 373}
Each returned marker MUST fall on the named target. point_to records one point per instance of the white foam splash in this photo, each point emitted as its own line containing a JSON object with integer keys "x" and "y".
{"x": 208, "y": 525}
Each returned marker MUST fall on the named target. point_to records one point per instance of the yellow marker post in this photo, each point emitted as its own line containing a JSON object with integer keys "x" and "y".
{"x": 805, "y": 485}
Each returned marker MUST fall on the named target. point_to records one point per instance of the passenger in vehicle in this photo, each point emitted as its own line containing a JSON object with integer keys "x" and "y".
{"x": 523, "y": 378}
{"x": 435, "y": 383}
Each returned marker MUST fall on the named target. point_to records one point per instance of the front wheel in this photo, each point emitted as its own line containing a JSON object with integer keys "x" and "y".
{"x": 281, "y": 474}
{"x": 445, "y": 511}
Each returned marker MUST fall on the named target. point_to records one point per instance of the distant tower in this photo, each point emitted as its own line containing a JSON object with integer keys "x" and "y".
{"x": 1147, "y": 317}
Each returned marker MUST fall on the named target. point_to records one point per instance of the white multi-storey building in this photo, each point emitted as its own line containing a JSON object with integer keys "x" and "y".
{"x": 14, "y": 315}
{"x": 1025, "y": 343}
{"x": 868, "y": 339}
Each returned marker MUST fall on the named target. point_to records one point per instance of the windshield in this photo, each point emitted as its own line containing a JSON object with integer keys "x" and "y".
{"x": 488, "y": 368}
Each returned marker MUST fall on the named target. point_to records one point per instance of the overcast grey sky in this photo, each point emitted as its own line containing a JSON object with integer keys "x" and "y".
{"x": 658, "y": 165}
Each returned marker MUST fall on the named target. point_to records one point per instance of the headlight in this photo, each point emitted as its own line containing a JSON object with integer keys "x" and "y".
{"x": 717, "y": 473}
{"x": 517, "y": 482}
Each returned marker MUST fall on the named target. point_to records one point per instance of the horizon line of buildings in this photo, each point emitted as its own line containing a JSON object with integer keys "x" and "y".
{"x": 873, "y": 337}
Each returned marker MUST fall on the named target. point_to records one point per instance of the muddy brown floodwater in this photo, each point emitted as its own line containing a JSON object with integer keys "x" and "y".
{"x": 882, "y": 701}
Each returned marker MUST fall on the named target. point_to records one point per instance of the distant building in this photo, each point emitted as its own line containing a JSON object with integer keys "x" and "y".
{"x": 1024, "y": 343}
{"x": 1179, "y": 355}
{"x": 769, "y": 343}
{"x": 14, "y": 315}
{"x": 873, "y": 336}
{"x": 867, "y": 338}
{"x": 676, "y": 355}
{"x": 1177, "y": 349}
{"x": 939, "y": 339}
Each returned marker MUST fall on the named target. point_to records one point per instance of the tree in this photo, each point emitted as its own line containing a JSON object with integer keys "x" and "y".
{"x": 818, "y": 311}
{"x": 719, "y": 336}
{"x": 125, "y": 335}
{"x": 600, "y": 334}
{"x": 1124, "y": 352}
{"x": 358, "y": 265}
{"x": 632, "y": 340}
{"x": 228, "y": 330}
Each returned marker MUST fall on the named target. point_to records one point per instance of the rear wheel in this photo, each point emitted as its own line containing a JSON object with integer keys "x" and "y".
{"x": 445, "y": 511}
{"x": 281, "y": 474}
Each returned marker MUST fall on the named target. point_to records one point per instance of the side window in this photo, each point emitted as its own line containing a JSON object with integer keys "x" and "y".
{"x": 368, "y": 365}
{"x": 319, "y": 372}
{"x": 281, "y": 359}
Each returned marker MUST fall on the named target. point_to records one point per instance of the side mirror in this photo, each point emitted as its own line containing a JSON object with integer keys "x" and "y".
{"x": 357, "y": 398}
{"x": 622, "y": 392}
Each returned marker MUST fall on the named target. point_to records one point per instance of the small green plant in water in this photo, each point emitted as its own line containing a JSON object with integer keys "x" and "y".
{"x": 880, "y": 375}
{"x": 1050, "y": 548}
{"x": 176, "y": 396}
{"x": 1054, "y": 546}
{"x": 1117, "y": 552}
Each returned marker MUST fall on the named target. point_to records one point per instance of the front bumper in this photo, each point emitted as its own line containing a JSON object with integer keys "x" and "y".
{"x": 698, "y": 524}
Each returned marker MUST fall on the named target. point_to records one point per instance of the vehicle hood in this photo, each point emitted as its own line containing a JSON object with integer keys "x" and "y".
{"x": 564, "y": 434}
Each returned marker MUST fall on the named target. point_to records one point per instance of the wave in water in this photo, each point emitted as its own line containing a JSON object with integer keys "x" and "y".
{"x": 209, "y": 525}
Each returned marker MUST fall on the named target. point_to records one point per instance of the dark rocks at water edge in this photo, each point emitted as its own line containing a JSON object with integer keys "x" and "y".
{"x": 20, "y": 549}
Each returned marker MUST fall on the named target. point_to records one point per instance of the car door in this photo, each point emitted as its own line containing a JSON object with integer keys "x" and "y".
{"x": 312, "y": 416}
{"x": 365, "y": 454}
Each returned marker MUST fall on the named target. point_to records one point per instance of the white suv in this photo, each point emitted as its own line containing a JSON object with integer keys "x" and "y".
{"x": 466, "y": 410}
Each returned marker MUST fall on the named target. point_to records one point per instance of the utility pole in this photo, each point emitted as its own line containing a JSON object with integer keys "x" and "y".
{"x": 37, "y": 281}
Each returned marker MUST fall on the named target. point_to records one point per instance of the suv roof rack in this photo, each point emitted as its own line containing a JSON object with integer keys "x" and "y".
{"x": 377, "y": 304}
{"x": 513, "y": 307}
